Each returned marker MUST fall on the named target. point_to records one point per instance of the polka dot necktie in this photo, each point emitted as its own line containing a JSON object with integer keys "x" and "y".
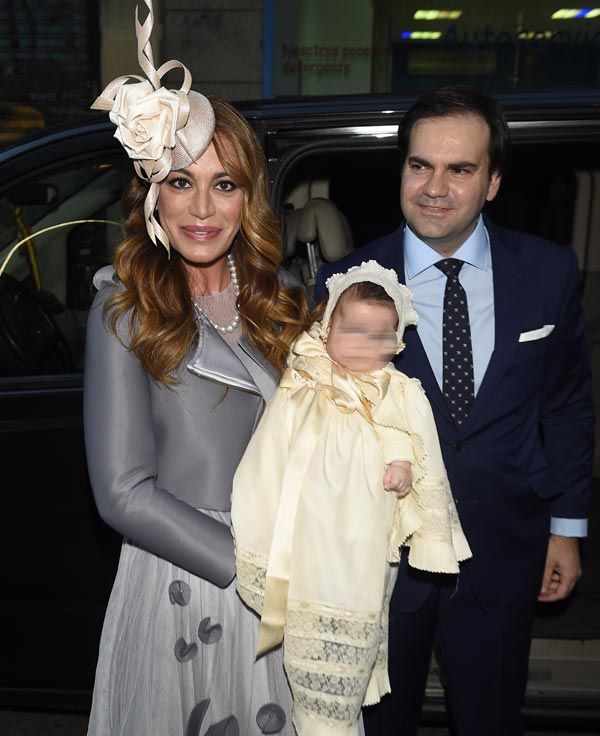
{"x": 459, "y": 388}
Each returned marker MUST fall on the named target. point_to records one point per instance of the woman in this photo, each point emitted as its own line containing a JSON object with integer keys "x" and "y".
{"x": 184, "y": 346}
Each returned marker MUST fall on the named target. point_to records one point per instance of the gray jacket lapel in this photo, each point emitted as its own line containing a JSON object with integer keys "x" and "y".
{"x": 260, "y": 360}
{"x": 215, "y": 360}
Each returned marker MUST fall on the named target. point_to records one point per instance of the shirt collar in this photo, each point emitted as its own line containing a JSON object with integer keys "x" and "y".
{"x": 418, "y": 256}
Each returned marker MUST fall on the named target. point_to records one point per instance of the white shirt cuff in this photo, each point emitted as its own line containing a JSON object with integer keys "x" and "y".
{"x": 569, "y": 527}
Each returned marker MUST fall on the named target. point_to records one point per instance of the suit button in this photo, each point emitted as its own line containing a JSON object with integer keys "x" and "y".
{"x": 458, "y": 446}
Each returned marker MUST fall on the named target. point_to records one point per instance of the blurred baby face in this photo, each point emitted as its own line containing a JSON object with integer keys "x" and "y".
{"x": 362, "y": 335}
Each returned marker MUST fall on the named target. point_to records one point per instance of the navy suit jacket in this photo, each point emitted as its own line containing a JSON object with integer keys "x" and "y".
{"x": 525, "y": 451}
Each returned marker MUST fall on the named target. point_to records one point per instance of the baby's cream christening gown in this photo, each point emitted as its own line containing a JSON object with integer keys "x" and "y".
{"x": 315, "y": 531}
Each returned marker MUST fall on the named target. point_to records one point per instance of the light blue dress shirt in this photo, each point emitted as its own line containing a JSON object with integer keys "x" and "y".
{"x": 427, "y": 284}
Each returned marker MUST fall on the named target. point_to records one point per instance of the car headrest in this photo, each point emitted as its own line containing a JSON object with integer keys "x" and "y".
{"x": 320, "y": 220}
{"x": 290, "y": 237}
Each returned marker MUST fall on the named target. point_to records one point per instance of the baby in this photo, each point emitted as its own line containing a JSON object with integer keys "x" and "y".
{"x": 317, "y": 538}
{"x": 361, "y": 336}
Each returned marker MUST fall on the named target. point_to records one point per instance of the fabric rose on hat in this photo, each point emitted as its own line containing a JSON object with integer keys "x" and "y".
{"x": 147, "y": 120}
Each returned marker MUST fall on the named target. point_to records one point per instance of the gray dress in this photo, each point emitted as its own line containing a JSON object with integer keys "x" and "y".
{"x": 177, "y": 653}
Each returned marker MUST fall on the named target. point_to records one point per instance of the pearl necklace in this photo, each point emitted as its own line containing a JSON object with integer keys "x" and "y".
{"x": 236, "y": 288}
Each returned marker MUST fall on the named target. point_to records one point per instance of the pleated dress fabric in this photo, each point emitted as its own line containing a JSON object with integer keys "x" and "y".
{"x": 144, "y": 686}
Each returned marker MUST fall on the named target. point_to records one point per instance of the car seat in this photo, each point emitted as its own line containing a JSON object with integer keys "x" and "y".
{"x": 315, "y": 233}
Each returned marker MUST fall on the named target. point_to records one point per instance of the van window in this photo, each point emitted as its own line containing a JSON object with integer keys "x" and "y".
{"x": 46, "y": 288}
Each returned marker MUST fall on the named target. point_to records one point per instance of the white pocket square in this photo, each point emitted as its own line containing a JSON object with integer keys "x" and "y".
{"x": 536, "y": 334}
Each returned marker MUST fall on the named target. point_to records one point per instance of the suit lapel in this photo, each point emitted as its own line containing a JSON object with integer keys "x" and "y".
{"x": 509, "y": 298}
{"x": 414, "y": 362}
{"x": 413, "y": 359}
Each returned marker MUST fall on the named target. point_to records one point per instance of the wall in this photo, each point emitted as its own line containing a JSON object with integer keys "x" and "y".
{"x": 49, "y": 62}
{"x": 118, "y": 49}
{"x": 220, "y": 41}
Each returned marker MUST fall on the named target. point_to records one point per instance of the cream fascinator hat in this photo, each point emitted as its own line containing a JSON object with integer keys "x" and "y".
{"x": 160, "y": 129}
{"x": 376, "y": 274}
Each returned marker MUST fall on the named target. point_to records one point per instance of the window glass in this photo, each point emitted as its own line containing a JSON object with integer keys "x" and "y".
{"x": 46, "y": 289}
{"x": 335, "y": 47}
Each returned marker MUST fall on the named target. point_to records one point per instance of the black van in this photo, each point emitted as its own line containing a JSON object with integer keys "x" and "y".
{"x": 334, "y": 168}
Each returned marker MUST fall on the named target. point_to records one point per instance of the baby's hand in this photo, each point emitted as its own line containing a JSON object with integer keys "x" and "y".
{"x": 398, "y": 478}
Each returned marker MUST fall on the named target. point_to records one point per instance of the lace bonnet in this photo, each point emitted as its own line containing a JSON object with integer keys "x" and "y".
{"x": 377, "y": 274}
{"x": 160, "y": 129}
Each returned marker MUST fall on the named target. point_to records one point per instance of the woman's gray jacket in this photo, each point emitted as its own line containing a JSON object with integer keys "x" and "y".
{"x": 157, "y": 455}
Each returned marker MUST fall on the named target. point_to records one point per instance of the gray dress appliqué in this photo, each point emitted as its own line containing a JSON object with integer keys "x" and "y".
{"x": 155, "y": 665}
{"x": 177, "y": 652}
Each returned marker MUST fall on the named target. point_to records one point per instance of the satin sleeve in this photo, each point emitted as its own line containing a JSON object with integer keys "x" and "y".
{"x": 395, "y": 443}
{"x": 121, "y": 455}
{"x": 392, "y": 425}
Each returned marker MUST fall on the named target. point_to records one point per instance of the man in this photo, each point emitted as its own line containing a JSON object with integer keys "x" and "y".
{"x": 500, "y": 352}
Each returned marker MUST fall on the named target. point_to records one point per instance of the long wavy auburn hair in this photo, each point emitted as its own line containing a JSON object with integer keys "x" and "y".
{"x": 157, "y": 298}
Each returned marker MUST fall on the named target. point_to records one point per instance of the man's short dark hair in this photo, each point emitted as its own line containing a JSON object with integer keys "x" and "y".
{"x": 460, "y": 100}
